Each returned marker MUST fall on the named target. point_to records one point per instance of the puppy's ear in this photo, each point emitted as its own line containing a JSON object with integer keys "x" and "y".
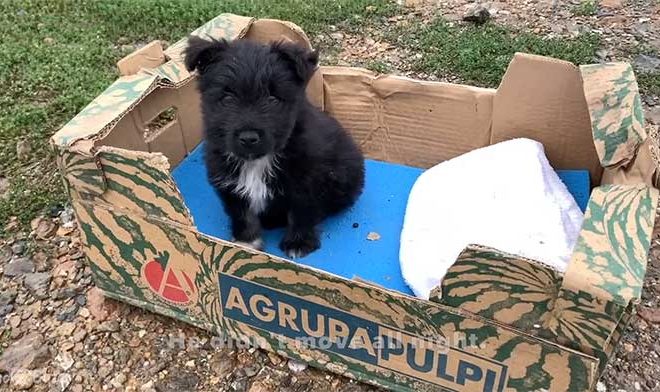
{"x": 200, "y": 52}
{"x": 303, "y": 61}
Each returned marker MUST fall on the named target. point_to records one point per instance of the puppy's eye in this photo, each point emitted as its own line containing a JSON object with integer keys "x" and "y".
{"x": 227, "y": 99}
{"x": 273, "y": 99}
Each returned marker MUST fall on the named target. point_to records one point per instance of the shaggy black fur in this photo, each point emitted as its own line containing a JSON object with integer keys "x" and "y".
{"x": 273, "y": 157}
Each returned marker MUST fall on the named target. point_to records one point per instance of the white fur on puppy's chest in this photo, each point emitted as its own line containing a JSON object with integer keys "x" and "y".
{"x": 252, "y": 182}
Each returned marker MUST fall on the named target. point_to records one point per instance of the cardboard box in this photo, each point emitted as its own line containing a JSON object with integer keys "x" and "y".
{"x": 531, "y": 327}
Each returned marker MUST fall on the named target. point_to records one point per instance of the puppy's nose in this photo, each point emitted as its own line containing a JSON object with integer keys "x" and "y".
{"x": 249, "y": 138}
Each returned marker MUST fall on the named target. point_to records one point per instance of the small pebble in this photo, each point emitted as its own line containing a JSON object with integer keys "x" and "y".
{"x": 373, "y": 236}
{"x": 296, "y": 366}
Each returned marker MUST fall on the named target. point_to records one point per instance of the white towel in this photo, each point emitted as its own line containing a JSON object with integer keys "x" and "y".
{"x": 505, "y": 196}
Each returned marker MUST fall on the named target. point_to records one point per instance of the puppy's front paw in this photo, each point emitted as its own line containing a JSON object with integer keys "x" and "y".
{"x": 297, "y": 245}
{"x": 257, "y": 244}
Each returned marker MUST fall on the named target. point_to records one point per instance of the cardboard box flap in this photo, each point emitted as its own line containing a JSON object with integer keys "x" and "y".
{"x": 609, "y": 259}
{"x": 542, "y": 99}
{"x": 227, "y": 26}
{"x": 106, "y": 109}
{"x": 149, "y": 56}
{"x": 527, "y": 295}
{"x": 483, "y": 279}
{"x": 615, "y": 109}
{"x": 82, "y": 171}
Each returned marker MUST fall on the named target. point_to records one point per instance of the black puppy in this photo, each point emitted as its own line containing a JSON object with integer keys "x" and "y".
{"x": 273, "y": 157}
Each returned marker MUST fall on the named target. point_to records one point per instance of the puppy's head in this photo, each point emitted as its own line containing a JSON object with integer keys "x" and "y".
{"x": 252, "y": 94}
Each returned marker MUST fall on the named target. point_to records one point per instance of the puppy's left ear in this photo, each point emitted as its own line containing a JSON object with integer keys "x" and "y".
{"x": 302, "y": 60}
{"x": 200, "y": 52}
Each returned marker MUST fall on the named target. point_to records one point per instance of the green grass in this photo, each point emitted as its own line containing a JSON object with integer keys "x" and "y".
{"x": 378, "y": 67}
{"x": 586, "y": 8}
{"x": 56, "y": 56}
{"x": 480, "y": 55}
{"x": 649, "y": 82}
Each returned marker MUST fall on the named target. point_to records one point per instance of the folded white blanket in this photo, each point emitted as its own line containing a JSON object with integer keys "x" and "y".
{"x": 505, "y": 196}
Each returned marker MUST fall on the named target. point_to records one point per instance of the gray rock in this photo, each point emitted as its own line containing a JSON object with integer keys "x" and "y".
{"x": 23, "y": 147}
{"x": 63, "y": 381}
{"x": 65, "y": 293}
{"x": 477, "y": 14}
{"x": 296, "y": 366}
{"x": 5, "y": 310}
{"x": 68, "y": 313}
{"x": 647, "y": 64}
{"x": 27, "y": 353}
{"x": 5, "y": 185}
{"x": 38, "y": 284}
{"x": 7, "y": 297}
{"x": 81, "y": 300}
{"x": 80, "y": 335}
{"x": 5, "y": 254}
{"x": 337, "y": 36}
{"x": 603, "y": 54}
{"x": 118, "y": 381}
{"x": 104, "y": 372}
{"x": 251, "y": 371}
{"x": 108, "y": 326}
{"x": 653, "y": 115}
{"x": 179, "y": 381}
{"x": 67, "y": 218}
{"x": 147, "y": 386}
{"x": 64, "y": 361}
{"x": 18, "y": 247}
{"x": 22, "y": 380}
{"x": 19, "y": 267}
{"x": 239, "y": 385}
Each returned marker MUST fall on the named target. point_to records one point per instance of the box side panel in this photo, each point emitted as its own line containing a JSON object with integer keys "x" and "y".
{"x": 528, "y": 296}
{"x": 615, "y": 110}
{"x": 616, "y": 337}
{"x": 407, "y": 121}
{"x": 542, "y": 99}
{"x": 641, "y": 169}
{"x": 617, "y": 123}
{"x": 141, "y": 183}
{"x": 190, "y": 115}
{"x": 328, "y": 321}
{"x": 82, "y": 175}
{"x": 610, "y": 256}
{"x": 127, "y": 134}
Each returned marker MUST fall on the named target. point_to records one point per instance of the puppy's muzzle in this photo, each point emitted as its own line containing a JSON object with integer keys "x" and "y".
{"x": 249, "y": 139}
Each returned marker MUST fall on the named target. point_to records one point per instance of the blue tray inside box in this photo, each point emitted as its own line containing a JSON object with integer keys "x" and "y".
{"x": 345, "y": 249}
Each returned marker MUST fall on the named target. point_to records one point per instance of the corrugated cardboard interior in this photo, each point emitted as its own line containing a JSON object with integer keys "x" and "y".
{"x": 406, "y": 121}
